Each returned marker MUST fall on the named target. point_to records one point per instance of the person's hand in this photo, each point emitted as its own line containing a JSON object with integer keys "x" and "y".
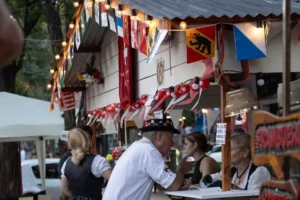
{"x": 186, "y": 184}
{"x": 185, "y": 166}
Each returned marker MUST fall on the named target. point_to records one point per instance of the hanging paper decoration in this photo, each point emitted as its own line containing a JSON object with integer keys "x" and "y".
{"x": 86, "y": 8}
{"x": 111, "y": 19}
{"x": 134, "y": 34}
{"x": 78, "y": 39}
{"x": 194, "y": 90}
{"x": 181, "y": 91}
{"x": 91, "y": 75}
{"x": 159, "y": 98}
{"x": 125, "y": 73}
{"x": 143, "y": 38}
{"x": 200, "y": 43}
{"x": 119, "y": 23}
{"x": 104, "y": 21}
{"x": 126, "y": 29}
{"x": 153, "y": 31}
{"x": 97, "y": 12}
{"x": 249, "y": 41}
{"x": 209, "y": 70}
{"x": 68, "y": 101}
{"x": 158, "y": 40}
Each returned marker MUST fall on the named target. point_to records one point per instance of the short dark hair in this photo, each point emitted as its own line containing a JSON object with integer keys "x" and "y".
{"x": 200, "y": 139}
{"x": 87, "y": 129}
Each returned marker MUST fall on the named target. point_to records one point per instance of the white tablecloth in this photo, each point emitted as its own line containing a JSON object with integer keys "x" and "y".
{"x": 212, "y": 193}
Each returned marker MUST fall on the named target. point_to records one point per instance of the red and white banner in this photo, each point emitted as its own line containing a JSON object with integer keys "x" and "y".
{"x": 143, "y": 38}
{"x": 134, "y": 34}
{"x": 126, "y": 29}
{"x": 68, "y": 101}
{"x": 104, "y": 21}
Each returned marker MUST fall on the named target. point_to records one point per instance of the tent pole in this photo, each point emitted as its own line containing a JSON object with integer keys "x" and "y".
{"x": 286, "y": 13}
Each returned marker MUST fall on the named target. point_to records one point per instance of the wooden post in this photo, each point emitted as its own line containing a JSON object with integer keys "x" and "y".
{"x": 121, "y": 132}
{"x": 94, "y": 148}
{"x": 226, "y": 149}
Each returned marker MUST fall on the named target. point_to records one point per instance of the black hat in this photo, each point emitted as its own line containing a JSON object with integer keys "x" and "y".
{"x": 61, "y": 142}
{"x": 159, "y": 125}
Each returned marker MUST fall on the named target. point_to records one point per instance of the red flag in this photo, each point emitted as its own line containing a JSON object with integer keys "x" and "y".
{"x": 143, "y": 38}
{"x": 200, "y": 43}
{"x": 125, "y": 73}
{"x": 134, "y": 34}
{"x": 126, "y": 29}
{"x": 68, "y": 101}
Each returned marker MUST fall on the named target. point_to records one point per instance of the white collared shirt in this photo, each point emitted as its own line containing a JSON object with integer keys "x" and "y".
{"x": 260, "y": 175}
{"x": 136, "y": 171}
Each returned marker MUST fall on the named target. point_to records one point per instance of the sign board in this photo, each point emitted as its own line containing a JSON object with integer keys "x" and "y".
{"x": 160, "y": 70}
{"x": 283, "y": 190}
{"x": 275, "y": 138}
{"x": 64, "y": 136}
{"x": 221, "y": 133}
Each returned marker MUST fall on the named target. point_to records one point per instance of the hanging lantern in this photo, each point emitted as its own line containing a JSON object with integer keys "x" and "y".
{"x": 239, "y": 101}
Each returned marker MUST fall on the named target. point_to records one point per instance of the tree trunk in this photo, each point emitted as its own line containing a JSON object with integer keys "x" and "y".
{"x": 10, "y": 169}
{"x": 55, "y": 33}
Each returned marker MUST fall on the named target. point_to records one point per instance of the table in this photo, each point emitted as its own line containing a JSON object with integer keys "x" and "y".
{"x": 212, "y": 193}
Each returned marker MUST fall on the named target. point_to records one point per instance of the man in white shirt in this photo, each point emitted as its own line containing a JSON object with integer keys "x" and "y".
{"x": 142, "y": 164}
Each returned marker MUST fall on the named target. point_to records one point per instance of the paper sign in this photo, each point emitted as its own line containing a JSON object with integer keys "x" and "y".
{"x": 97, "y": 14}
{"x": 64, "y": 136}
{"x": 158, "y": 114}
{"x": 160, "y": 37}
{"x": 221, "y": 133}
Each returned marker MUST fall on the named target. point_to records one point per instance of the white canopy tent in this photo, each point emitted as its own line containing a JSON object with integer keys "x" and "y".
{"x": 27, "y": 119}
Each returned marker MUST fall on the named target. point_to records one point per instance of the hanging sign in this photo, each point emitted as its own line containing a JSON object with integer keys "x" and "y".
{"x": 86, "y": 8}
{"x": 275, "y": 138}
{"x": 221, "y": 133}
{"x": 97, "y": 13}
{"x": 280, "y": 190}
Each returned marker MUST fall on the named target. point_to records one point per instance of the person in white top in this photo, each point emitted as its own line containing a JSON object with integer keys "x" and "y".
{"x": 142, "y": 164}
{"x": 245, "y": 175}
{"x": 83, "y": 174}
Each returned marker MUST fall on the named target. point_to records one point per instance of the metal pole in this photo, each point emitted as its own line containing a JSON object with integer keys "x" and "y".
{"x": 286, "y": 73}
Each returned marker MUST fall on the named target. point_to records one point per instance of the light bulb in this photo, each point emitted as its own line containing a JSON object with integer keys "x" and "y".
{"x": 260, "y": 82}
{"x": 107, "y": 6}
{"x": 49, "y": 86}
{"x": 51, "y": 71}
{"x": 64, "y": 43}
{"x": 57, "y": 57}
{"x": 71, "y": 26}
{"x": 82, "y": 25}
{"x": 204, "y": 110}
{"x": 183, "y": 25}
{"x": 75, "y": 4}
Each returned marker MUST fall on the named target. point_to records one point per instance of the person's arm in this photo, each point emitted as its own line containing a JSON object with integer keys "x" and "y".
{"x": 11, "y": 36}
{"x": 256, "y": 179}
{"x": 208, "y": 167}
{"x": 64, "y": 182}
{"x": 100, "y": 167}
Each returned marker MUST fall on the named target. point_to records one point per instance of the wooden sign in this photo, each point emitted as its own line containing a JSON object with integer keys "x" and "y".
{"x": 280, "y": 190}
{"x": 275, "y": 138}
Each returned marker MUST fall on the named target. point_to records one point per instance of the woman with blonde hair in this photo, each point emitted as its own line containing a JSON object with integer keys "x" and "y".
{"x": 83, "y": 172}
{"x": 245, "y": 175}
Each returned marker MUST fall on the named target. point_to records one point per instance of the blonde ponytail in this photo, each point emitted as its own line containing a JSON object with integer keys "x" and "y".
{"x": 79, "y": 142}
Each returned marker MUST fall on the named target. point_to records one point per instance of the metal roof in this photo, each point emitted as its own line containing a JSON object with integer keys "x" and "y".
{"x": 183, "y": 9}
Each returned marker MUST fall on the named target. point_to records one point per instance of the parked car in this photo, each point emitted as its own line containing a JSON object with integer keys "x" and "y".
{"x": 31, "y": 177}
{"x": 216, "y": 153}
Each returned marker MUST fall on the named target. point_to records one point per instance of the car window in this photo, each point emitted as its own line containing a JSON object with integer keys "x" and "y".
{"x": 51, "y": 171}
{"x": 216, "y": 149}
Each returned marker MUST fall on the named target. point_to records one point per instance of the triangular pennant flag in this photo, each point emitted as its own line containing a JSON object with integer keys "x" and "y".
{"x": 211, "y": 117}
{"x": 119, "y": 23}
{"x": 112, "y": 23}
{"x": 143, "y": 38}
{"x": 97, "y": 12}
{"x": 104, "y": 21}
{"x": 176, "y": 115}
{"x": 199, "y": 96}
{"x": 78, "y": 39}
{"x": 86, "y": 8}
{"x": 134, "y": 34}
{"x": 139, "y": 122}
{"x": 209, "y": 70}
{"x": 249, "y": 42}
{"x": 82, "y": 24}
{"x": 126, "y": 29}
{"x": 158, "y": 40}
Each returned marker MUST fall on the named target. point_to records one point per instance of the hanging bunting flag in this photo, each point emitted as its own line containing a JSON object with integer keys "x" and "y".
{"x": 112, "y": 23}
{"x": 119, "y": 23}
{"x": 143, "y": 38}
{"x": 134, "y": 34}
{"x": 104, "y": 21}
{"x": 126, "y": 29}
{"x": 250, "y": 41}
{"x": 69, "y": 62}
{"x": 86, "y": 8}
{"x": 200, "y": 43}
{"x": 158, "y": 40}
{"x": 153, "y": 31}
{"x": 97, "y": 14}
{"x": 82, "y": 24}
{"x": 68, "y": 101}
{"x": 78, "y": 39}
{"x": 209, "y": 70}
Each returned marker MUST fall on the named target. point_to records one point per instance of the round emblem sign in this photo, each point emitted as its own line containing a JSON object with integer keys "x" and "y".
{"x": 160, "y": 72}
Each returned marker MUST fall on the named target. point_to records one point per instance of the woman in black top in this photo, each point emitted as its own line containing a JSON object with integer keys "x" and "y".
{"x": 196, "y": 142}
{"x": 83, "y": 173}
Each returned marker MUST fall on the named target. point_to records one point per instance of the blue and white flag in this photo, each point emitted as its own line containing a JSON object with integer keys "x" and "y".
{"x": 119, "y": 23}
{"x": 250, "y": 41}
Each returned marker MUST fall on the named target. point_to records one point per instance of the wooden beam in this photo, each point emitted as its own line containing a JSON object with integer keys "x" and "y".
{"x": 226, "y": 149}
{"x": 73, "y": 89}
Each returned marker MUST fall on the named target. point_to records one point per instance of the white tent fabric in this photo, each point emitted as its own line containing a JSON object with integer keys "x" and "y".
{"x": 24, "y": 119}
